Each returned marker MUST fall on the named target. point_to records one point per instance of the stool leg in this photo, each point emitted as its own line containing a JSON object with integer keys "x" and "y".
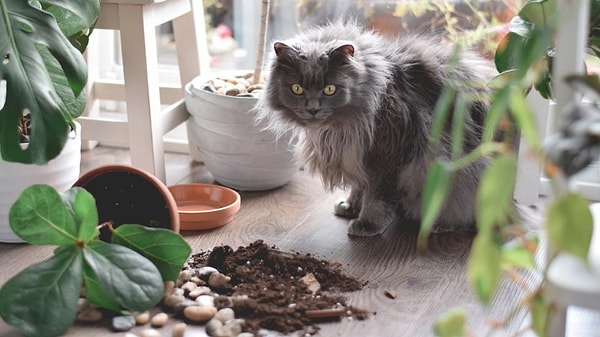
{"x": 557, "y": 321}
{"x": 92, "y": 107}
{"x": 138, "y": 44}
{"x": 192, "y": 50}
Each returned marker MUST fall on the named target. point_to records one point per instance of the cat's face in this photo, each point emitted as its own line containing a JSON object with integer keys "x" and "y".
{"x": 311, "y": 86}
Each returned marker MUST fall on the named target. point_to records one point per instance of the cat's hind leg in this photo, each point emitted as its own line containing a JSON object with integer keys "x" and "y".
{"x": 374, "y": 218}
{"x": 349, "y": 207}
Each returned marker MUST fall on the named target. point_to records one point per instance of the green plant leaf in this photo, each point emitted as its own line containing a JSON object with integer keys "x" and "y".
{"x": 569, "y": 224}
{"x": 127, "y": 277}
{"x": 520, "y": 27}
{"x": 524, "y": 117}
{"x": 516, "y": 256}
{"x": 495, "y": 192}
{"x": 539, "y": 12}
{"x": 42, "y": 299}
{"x": 452, "y": 323}
{"x": 83, "y": 208}
{"x": 458, "y": 126}
{"x": 441, "y": 112}
{"x": 28, "y": 85}
{"x": 436, "y": 189}
{"x": 165, "y": 248}
{"x": 509, "y": 48}
{"x": 39, "y": 216}
{"x": 94, "y": 292}
{"x": 495, "y": 113}
{"x": 540, "y": 311}
{"x": 484, "y": 265}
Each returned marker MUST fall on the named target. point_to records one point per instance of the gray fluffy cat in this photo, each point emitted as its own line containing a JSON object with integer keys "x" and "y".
{"x": 363, "y": 107}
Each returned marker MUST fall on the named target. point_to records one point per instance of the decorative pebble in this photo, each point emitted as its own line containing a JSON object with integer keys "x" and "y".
{"x": 218, "y": 280}
{"x": 149, "y": 333}
{"x": 184, "y": 276}
{"x": 169, "y": 286}
{"x": 83, "y": 304}
{"x": 182, "y": 305}
{"x": 224, "y": 331}
{"x": 159, "y": 320}
{"x": 235, "y": 326}
{"x": 212, "y": 326}
{"x": 233, "y": 91}
{"x": 129, "y": 334}
{"x": 201, "y": 290}
{"x": 178, "y": 330}
{"x": 89, "y": 315}
{"x": 172, "y": 300}
{"x": 198, "y": 281}
{"x": 199, "y": 314}
{"x": 246, "y": 334}
{"x": 205, "y": 272}
{"x": 142, "y": 318}
{"x": 225, "y": 315}
{"x": 189, "y": 286}
{"x": 205, "y": 301}
{"x": 123, "y": 323}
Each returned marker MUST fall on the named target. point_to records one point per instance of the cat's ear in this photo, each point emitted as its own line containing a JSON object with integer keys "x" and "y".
{"x": 281, "y": 48}
{"x": 346, "y": 50}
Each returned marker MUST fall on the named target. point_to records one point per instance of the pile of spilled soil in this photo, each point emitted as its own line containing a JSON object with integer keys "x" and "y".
{"x": 281, "y": 291}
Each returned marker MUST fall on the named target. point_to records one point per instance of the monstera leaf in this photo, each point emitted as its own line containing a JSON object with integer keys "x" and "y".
{"x": 45, "y": 73}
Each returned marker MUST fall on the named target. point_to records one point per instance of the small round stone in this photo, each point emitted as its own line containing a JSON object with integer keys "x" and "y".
{"x": 198, "y": 281}
{"x": 224, "y": 331}
{"x": 142, "y": 318}
{"x": 225, "y": 315}
{"x": 199, "y": 291}
{"x": 149, "y": 333}
{"x": 189, "y": 286}
{"x": 178, "y": 330}
{"x": 184, "y": 276}
{"x": 83, "y": 304}
{"x": 159, "y": 320}
{"x": 123, "y": 323}
{"x": 169, "y": 286}
{"x": 172, "y": 300}
{"x": 218, "y": 280}
{"x": 205, "y": 301}
{"x": 205, "y": 272}
{"x": 182, "y": 305}
{"x": 246, "y": 334}
{"x": 129, "y": 334}
{"x": 199, "y": 314}
{"x": 212, "y": 326}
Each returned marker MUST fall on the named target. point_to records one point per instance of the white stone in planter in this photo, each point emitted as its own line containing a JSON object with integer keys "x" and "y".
{"x": 60, "y": 173}
{"x": 239, "y": 153}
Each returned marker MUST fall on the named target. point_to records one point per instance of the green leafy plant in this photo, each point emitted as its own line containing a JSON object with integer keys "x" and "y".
{"x": 45, "y": 73}
{"x": 524, "y": 59}
{"x": 522, "y": 35}
{"x": 125, "y": 275}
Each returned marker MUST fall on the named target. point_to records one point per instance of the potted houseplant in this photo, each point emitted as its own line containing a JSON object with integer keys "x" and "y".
{"x": 238, "y": 151}
{"x": 42, "y": 76}
{"x": 524, "y": 58}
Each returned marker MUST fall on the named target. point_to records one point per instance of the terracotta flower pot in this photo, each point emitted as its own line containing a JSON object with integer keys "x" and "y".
{"x": 127, "y": 195}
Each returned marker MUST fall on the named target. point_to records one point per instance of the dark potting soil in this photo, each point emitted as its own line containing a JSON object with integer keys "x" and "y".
{"x": 277, "y": 287}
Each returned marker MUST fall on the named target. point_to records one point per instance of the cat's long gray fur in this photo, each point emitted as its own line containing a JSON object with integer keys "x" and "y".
{"x": 372, "y": 134}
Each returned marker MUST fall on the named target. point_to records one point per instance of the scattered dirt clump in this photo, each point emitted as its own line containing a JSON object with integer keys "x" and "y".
{"x": 280, "y": 291}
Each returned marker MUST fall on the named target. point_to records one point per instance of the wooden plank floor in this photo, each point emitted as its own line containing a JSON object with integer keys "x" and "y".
{"x": 299, "y": 217}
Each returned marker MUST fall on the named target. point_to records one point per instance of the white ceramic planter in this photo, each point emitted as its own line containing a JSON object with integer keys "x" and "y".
{"x": 60, "y": 173}
{"x": 239, "y": 153}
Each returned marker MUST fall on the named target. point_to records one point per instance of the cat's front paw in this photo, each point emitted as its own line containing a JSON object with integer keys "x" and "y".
{"x": 364, "y": 228}
{"x": 344, "y": 209}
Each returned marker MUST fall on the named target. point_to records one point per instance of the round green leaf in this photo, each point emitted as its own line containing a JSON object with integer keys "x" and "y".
{"x": 39, "y": 216}
{"x": 85, "y": 213}
{"x": 94, "y": 292}
{"x": 452, "y": 323}
{"x": 165, "y": 248}
{"x": 484, "y": 265}
{"x": 494, "y": 196}
{"x": 125, "y": 276}
{"x": 569, "y": 225}
{"x": 42, "y": 299}
{"x": 435, "y": 192}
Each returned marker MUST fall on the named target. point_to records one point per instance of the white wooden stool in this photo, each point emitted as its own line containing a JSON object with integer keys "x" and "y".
{"x": 147, "y": 117}
{"x": 573, "y": 282}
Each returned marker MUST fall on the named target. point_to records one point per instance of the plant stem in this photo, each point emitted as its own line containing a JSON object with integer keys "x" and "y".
{"x": 262, "y": 37}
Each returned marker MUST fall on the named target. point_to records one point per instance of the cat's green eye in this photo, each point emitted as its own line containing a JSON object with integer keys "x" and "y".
{"x": 297, "y": 89}
{"x": 329, "y": 90}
